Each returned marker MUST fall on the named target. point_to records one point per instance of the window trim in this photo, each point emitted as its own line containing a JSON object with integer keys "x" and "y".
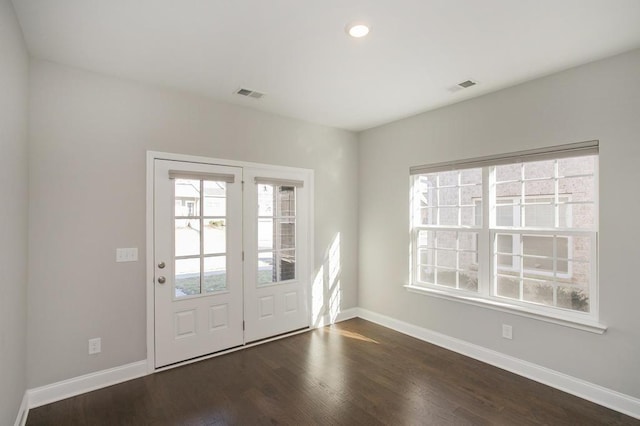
{"x": 486, "y": 297}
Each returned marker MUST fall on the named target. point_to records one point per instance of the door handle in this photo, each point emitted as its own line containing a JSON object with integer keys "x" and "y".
{"x": 161, "y": 280}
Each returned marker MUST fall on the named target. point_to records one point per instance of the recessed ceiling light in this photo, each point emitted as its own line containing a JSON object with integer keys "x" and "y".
{"x": 357, "y": 30}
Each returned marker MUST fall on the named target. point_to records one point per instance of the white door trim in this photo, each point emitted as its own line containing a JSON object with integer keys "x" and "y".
{"x": 150, "y": 255}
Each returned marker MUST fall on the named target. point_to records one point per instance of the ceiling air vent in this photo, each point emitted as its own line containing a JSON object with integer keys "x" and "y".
{"x": 467, "y": 84}
{"x": 462, "y": 85}
{"x": 249, "y": 93}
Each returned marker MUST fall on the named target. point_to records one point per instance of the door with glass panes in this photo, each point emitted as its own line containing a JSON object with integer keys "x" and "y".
{"x": 198, "y": 260}
{"x": 276, "y": 209}
{"x": 207, "y": 298}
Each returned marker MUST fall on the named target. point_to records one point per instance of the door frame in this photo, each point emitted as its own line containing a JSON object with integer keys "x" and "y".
{"x": 150, "y": 253}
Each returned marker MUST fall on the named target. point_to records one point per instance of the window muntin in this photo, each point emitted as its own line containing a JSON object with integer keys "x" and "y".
{"x": 539, "y": 233}
{"x": 276, "y": 233}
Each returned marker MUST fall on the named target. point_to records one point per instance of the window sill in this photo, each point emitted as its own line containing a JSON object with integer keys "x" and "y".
{"x": 590, "y": 326}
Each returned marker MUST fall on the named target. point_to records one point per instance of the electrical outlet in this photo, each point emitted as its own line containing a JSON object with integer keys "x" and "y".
{"x": 95, "y": 346}
{"x": 507, "y": 331}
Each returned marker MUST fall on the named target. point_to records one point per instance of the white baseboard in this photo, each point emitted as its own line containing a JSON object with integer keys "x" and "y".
{"x": 21, "y": 418}
{"x": 343, "y": 315}
{"x": 598, "y": 394}
{"x": 87, "y": 383}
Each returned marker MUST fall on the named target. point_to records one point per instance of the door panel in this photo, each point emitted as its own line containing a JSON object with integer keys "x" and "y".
{"x": 276, "y": 224}
{"x": 198, "y": 259}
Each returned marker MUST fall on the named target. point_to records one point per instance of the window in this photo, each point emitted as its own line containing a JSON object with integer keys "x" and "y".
{"x": 519, "y": 230}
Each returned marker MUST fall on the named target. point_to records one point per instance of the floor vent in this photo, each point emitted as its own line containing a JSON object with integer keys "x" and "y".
{"x": 249, "y": 93}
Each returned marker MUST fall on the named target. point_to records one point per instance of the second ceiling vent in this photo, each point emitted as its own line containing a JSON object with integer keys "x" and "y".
{"x": 249, "y": 93}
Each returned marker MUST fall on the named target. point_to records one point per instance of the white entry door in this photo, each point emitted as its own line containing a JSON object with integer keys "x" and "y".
{"x": 276, "y": 241}
{"x": 198, "y": 260}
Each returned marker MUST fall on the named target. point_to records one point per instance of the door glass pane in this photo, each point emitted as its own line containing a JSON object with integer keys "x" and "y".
{"x": 187, "y": 237}
{"x": 286, "y": 201}
{"x": 266, "y": 271}
{"x": 215, "y": 236}
{"x": 187, "y": 279}
{"x": 265, "y": 234}
{"x": 187, "y": 197}
{"x": 287, "y": 230}
{"x": 287, "y": 265}
{"x": 215, "y": 201}
{"x": 215, "y": 274}
{"x": 265, "y": 200}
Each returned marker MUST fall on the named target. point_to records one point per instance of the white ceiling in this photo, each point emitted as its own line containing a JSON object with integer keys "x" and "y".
{"x": 298, "y": 53}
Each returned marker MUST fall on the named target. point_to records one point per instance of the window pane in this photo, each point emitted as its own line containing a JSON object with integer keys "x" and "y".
{"x": 215, "y": 236}
{"x": 470, "y": 194}
{"x": 446, "y": 277}
{"x": 187, "y": 197}
{"x": 508, "y": 172}
{"x": 504, "y": 244}
{"x": 576, "y": 166}
{"x": 580, "y": 248}
{"x": 187, "y": 237}
{"x": 265, "y": 234}
{"x": 446, "y": 258}
{"x": 448, "y": 216}
{"x": 427, "y": 274}
{"x": 505, "y": 192}
{"x": 265, "y": 200}
{"x": 448, "y": 197}
{"x": 426, "y": 239}
{"x": 468, "y": 176}
{"x": 538, "y": 252}
{"x": 508, "y": 212}
{"x": 577, "y": 188}
{"x": 538, "y": 292}
{"x": 508, "y": 287}
{"x": 470, "y": 216}
{"x": 468, "y": 241}
{"x": 428, "y": 216}
{"x": 286, "y": 201}
{"x": 426, "y": 257}
{"x": 468, "y": 280}
{"x": 446, "y": 239}
{"x": 215, "y": 274}
{"x": 215, "y": 201}
{"x": 187, "y": 278}
{"x": 539, "y": 213}
{"x": 287, "y": 265}
{"x": 573, "y": 298}
{"x": 539, "y": 169}
{"x": 287, "y": 229}
{"x": 266, "y": 271}
{"x": 447, "y": 178}
{"x": 578, "y": 216}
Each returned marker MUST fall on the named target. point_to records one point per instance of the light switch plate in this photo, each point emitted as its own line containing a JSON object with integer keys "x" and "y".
{"x": 127, "y": 254}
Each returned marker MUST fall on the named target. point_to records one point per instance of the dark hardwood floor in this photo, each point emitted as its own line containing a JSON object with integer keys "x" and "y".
{"x": 352, "y": 373}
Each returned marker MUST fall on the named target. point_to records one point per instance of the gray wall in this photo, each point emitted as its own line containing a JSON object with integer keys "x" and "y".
{"x": 14, "y": 62}
{"x": 596, "y": 101}
{"x": 88, "y": 142}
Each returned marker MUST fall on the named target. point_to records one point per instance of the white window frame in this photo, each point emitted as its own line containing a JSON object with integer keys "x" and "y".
{"x": 487, "y": 265}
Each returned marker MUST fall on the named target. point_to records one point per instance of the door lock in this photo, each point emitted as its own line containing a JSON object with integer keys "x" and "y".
{"x": 161, "y": 280}
{"x": 161, "y": 265}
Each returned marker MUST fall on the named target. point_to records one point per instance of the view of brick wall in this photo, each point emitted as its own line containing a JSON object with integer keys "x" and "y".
{"x": 549, "y": 195}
